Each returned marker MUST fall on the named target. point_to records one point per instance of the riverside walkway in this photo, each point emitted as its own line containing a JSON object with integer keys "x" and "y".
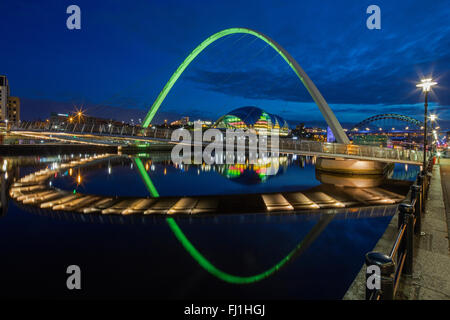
{"x": 430, "y": 279}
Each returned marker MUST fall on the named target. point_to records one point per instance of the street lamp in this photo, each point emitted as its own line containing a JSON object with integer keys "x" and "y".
{"x": 426, "y": 85}
{"x": 433, "y": 117}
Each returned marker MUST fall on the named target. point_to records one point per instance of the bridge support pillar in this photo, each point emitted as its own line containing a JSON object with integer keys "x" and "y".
{"x": 352, "y": 166}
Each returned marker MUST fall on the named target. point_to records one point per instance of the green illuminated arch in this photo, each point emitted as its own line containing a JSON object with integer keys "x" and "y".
{"x": 327, "y": 113}
{"x": 207, "y": 265}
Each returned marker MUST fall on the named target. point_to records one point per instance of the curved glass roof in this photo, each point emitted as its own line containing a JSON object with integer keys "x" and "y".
{"x": 250, "y": 115}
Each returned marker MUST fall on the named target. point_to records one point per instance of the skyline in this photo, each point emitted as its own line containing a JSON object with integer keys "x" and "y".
{"x": 124, "y": 53}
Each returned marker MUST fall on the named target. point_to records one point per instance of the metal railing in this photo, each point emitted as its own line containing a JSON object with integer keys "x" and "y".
{"x": 285, "y": 144}
{"x": 351, "y": 150}
{"x": 400, "y": 259}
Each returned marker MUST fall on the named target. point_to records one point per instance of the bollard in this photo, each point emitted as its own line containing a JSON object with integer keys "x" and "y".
{"x": 416, "y": 194}
{"x": 408, "y": 212}
{"x": 387, "y": 270}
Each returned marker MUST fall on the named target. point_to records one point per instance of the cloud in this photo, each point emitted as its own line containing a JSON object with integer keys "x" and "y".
{"x": 380, "y": 87}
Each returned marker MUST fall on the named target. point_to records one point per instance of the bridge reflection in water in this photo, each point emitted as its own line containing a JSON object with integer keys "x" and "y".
{"x": 36, "y": 189}
{"x": 35, "y": 192}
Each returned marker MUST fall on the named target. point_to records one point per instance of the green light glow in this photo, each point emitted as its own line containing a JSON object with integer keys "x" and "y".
{"x": 208, "y": 266}
{"x": 201, "y": 260}
{"x": 162, "y": 95}
{"x": 148, "y": 182}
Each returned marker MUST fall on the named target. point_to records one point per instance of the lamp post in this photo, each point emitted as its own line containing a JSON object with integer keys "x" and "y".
{"x": 426, "y": 85}
{"x": 433, "y": 135}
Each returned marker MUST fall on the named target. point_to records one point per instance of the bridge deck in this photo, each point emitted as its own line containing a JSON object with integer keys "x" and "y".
{"x": 313, "y": 148}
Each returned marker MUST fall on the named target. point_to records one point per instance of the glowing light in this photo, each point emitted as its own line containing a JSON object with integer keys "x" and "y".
{"x": 208, "y": 266}
{"x": 433, "y": 117}
{"x": 426, "y": 84}
{"x": 151, "y": 188}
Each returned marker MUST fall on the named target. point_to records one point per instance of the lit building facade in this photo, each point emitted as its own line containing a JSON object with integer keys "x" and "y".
{"x": 181, "y": 122}
{"x": 4, "y": 94}
{"x": 13, "y": 110}
{"x": 253, "y": 118}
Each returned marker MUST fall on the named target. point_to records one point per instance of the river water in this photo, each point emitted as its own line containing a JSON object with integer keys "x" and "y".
{"x": 260, "y": 256}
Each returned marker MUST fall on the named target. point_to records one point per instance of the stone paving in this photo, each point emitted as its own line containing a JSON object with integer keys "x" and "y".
{"x": 431, "y": 269}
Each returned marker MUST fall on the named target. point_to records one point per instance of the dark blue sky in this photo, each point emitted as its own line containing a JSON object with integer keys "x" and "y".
{"x": 125, "y": 52}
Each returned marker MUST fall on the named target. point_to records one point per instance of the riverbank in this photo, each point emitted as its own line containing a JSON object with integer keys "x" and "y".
{"x": 430, "y": 279}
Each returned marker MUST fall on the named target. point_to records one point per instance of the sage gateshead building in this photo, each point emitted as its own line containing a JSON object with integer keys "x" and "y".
{"x": 253, "y": 118}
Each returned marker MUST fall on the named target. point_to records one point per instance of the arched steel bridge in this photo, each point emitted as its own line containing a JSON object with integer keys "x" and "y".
{"x": 363, "y": 124}
{"x": 125, "y": 135}
{"x": 326, "y": 111}
{"x": 92, "y": 134}
{"x": 32, "y": 189}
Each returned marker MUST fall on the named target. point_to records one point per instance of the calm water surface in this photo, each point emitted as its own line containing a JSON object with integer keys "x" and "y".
{"x": 145, "y": 256}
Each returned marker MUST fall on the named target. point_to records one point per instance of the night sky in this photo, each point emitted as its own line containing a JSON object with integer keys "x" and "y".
{"x": 125, "y": 52}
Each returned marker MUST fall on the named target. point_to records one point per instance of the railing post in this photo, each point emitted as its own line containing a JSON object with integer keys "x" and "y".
{"x": 408, "y": 211}
{"x": 420, "y": 182}
{"x": 401, "y": 216}
{"x": 428, "y": 179}
{"x": 387, "y": 270}
{"x": 416, "y": 194}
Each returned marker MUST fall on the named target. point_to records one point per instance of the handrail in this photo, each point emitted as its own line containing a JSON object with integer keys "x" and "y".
{"x": 285, "y": 144}
{"x": 409, "y": 223}
{"x": 397, "y": 242}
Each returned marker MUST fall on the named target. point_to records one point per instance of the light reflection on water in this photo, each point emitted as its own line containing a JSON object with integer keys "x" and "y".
{"x": 145, "y": 259}
{"x": 285, "y": 173}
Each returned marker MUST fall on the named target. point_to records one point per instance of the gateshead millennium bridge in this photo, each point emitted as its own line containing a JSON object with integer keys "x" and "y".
{"x": 125, "y": 135}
